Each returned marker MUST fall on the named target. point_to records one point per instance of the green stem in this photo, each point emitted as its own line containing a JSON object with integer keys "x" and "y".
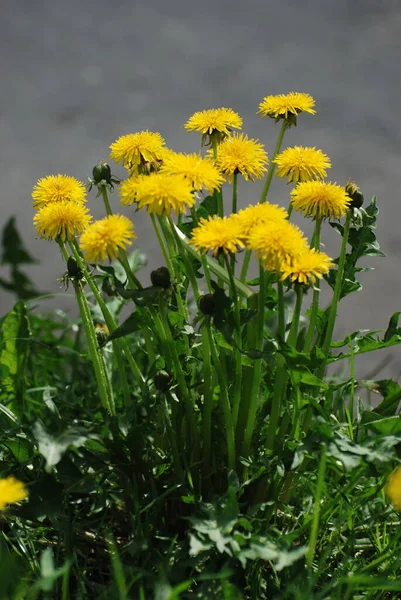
{"x": 272, "y": 166}
{"x": 316, "y": 512}
{"x": 171, "y": 434}
{"x": 249, "y": 426}
{"x": 172, "y": 251}
{"x": 219, "y": 195}
{"x": 242, "y": 289}
{"x": 222, "y": 377}
{"x": 96, "y": 358}
{"x": 235, "y": 192}
{"x": 292, "y": 336}
{"x": 120, "y": 344}
{"x": 207, "y": 402}
{"x": 316, "y": 291}
{"x": 200, "y": 257}
{"x": 162, "y": 243}
{"x": 184, "y": 255}
{"x": 336, "y": 295}
{"x": 238, "y": 343}
{"x": 106, "y": 201}
{"x": 280, "y": 383}
{"x": 245, "y": 264}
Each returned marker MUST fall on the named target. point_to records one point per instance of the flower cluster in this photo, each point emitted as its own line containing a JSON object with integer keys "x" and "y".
{"x": 62, "y": 214}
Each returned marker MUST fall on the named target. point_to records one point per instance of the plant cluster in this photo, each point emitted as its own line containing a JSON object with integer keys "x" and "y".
{"x": 198, "y": 448}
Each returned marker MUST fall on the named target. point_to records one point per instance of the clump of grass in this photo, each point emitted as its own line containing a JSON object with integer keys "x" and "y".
{"x": 197, "y": 448}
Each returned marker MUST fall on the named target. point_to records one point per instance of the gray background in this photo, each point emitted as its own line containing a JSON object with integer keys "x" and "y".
{"x": 75, "y": 75}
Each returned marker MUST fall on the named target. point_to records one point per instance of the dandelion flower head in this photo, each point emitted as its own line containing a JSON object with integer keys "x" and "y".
{"x": 200, "y": 172}
{"x": 61, "y": 220}
{"x": 255, "y": 215}
{"x": 214, "y": 120}
{"x": 393, "y": 488}
{"x": 239, "y": 154}
{"x": 106, "y": 237}
{"x": 276, "y": 243}
{"x": 161, "y": 193}
{"x": 307, "y": 267}
{"x": 136, "y": 149}
{"x": 284, "y": 106}
{"x": 11, "y": 492}
{"x": 56, "y": 188}
{"x": 320, "y": 199}
{"x": 219, "y": 234}
{"x": 302, "y": 164}
{"x": 127, "y": 189}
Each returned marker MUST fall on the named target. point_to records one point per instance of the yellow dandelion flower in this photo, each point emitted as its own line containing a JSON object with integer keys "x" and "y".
{"x": 302, "y": 164}
{"x": 284, "y": 106}
{"x": 277, "y": 242}
{"x": 127, "y": 189}
{"x": 307, "y": 267}
{"x": 252, "y": 216}
{"x": 11, "y": 492}
{"x": 393, "y": 488}
{"x": 220, "y": 234}
{"x": 61, "y": 220}
{"x": 200, "y": 172}
{"x": 106, "y": 237}
{"x": 218, "y": 121}
{"x": 160, "y": 193}
{"x": 138, "y": 149}
{"x": 55, "y": 188}
{"x": 239, "y": 154}
{"x": 320, "y": 199}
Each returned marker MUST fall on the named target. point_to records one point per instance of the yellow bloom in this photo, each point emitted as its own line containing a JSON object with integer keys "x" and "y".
{"x": 276, "y": 243}
{"x": 11, "y": 492}
{"x": 61, "y": 220}
{"x": 252, "y": 216}
{"x": 302, "y": 164}
{"x": 200, "y": 172}
{"x": 240, "y": 154}
{"x": 320, "y": 199}
{"x": 307, "y": 267}
{"x": 218, "y": 234}
{"x": 136, "y": 149}
{"x": 127, "y": 189}
{"x": 215, "y": 120}
{"x": 160, "y": 193}
{"x": 393, "y": 488}
{"x": 284, "y": 106}
{"x": 55, "y": 188}
{"x": 104, "y": 238}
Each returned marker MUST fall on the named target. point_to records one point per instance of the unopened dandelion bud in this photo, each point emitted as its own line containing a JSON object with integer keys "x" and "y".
{"x": 73, "y": 268}
{"x": 102, "y": 333}
{"x": 162, "y": 381}
{"x": 207, "y": 305}
{"x": 355, "y": 194}
{"x": 161, "y": 277}
{"x": 101, "y": 172}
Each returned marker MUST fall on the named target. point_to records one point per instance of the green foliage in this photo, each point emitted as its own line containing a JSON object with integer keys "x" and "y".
{"x": 15, "y": 254}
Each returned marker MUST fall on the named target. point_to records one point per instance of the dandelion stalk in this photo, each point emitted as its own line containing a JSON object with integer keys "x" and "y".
{"x": 96, "y": 357}
{"x": 207, "y": 401}
{"x": 316, "y": 512}
{"x": 222, "y": 378}
{"x": 336, "y": 294}
{"x": 94, "y": 353}
{"x": 316, "y": 290}
{"x": 253, "y": 399}
{"x": 237, "y": 339}
{"x": 218, "y": 193}
{"x": 202, "y": 257}
{"x": 119, "y": 344}
{"x": 235, "y": 192}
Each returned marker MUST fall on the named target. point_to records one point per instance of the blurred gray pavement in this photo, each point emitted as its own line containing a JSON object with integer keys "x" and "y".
{"x": 75, "y": 75}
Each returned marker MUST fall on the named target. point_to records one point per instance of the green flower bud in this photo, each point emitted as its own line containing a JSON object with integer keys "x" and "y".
{"x": 162, "y": 381}
{"x": 101, "y": 172}
{"x": 355, "y": 194}
{"x": 161, "y": 278}
{"x": 73, "y": 269}
{"x": 207, "y": 304}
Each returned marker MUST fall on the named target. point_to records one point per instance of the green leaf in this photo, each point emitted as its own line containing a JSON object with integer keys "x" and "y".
{"x": 363, "y": 242}
{"x": 135, "y": 322}
{"x": 53, "y": 447}
{"x": 391, "y": 392}
{"x": 14, "y": 350}
{"x": 306, "y": 377}
{"x": 387, "y": 426}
